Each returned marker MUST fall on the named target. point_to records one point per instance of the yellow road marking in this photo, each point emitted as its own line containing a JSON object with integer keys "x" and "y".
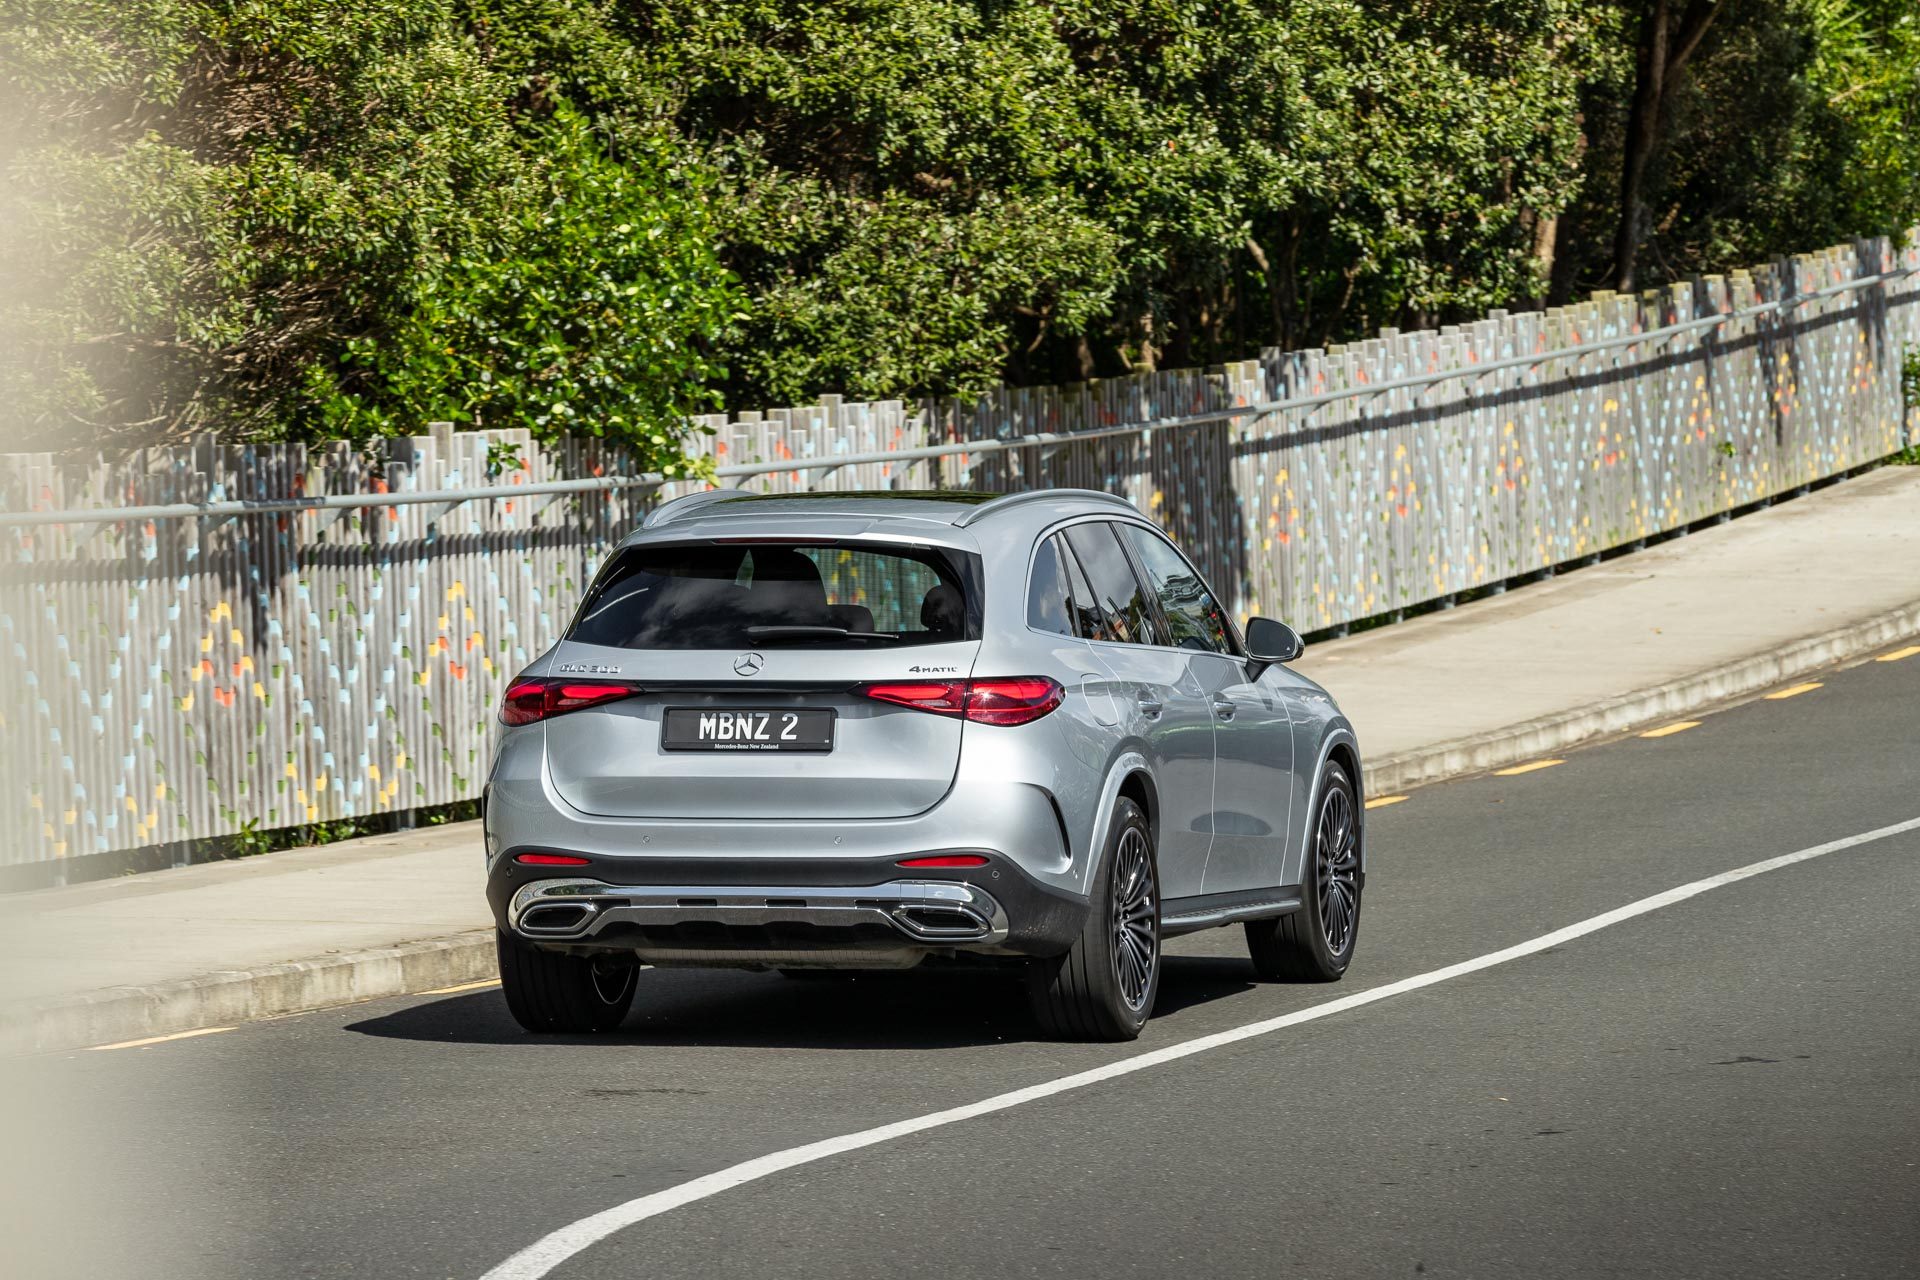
{"x": 1528, "y": 767}
{"x": 1793, "y": 691}
{"x": 465, "y": 986}
{"x": 1898, "y": 654}
{"x": 1665, "y": 729}
{"x": 178, "y": 1035}
{"x": 1381, "y": 802}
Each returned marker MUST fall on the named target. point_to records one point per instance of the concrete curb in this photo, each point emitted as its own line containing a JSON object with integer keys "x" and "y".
{"x": 1530, "y": 739}
{"x": 220, "y": 999}
{"x": 223, "y": 998}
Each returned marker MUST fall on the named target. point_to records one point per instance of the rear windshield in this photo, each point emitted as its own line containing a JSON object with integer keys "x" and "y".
{"x": 821, "y": 595}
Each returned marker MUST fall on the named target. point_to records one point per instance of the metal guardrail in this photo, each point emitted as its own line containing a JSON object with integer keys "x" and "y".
{"x": 454, "y": 498}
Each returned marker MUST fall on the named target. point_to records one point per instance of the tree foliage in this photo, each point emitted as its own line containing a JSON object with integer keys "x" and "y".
{"x": 1794, "y": 125}
{"x": 296, "y": 218}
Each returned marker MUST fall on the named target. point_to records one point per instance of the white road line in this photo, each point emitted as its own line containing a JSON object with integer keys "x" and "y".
{"x": 543, "y": 1255}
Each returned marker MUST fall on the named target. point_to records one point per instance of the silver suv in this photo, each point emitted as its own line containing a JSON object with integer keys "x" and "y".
{"x": 865, "y": 730}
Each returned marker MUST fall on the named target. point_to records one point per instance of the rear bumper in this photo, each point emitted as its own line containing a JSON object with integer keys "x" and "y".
{"x": 928, "y": 912}
{"x": 859, "y": 912}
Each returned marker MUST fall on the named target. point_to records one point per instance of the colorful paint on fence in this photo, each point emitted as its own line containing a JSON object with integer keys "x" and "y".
{"x": 185, "y": 679}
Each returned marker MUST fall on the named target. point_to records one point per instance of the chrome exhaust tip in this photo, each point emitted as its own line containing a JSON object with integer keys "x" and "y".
{"x": 941, "y": 922}
{"x": 556, "y": 919}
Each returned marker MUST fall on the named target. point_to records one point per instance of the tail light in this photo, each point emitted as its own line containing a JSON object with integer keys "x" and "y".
{"x": 531, "y": 700}
{"x": 1008, "y": 700}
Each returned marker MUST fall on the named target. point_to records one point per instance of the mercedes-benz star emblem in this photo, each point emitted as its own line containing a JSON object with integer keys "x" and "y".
{"x": 748, "y": 664}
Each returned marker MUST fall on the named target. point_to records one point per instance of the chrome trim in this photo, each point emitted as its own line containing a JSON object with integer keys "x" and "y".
{"x": 902, "y": 904}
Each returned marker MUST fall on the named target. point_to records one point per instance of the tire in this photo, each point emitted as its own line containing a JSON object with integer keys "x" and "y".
{"x": 1104, "y": 987}
{"x": 549, "y": 993}
{"x": 1316, "y": 943}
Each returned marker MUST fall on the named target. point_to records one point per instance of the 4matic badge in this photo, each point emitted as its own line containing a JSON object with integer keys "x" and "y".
{"x": 933, "y": 671}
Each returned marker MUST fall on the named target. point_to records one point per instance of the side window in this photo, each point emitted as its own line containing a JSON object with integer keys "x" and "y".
{"x": 1047, "y": 592}
{"x": 1089, "y": 619}
{"x": 1123, "y": 608}
{"x": 1192, "y": 614}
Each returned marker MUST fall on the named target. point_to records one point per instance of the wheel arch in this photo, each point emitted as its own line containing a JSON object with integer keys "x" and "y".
{"x": 1128, "y": 777}
{"x": 1338, "y": 746}
{"x": 1138, "y": 787}
{"x": 1344, "y": 752}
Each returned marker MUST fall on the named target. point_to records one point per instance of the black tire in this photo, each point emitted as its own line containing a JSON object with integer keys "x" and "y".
{"x": 550, "y": 993}
{"x": 1104, "y": 987}
{"x": 1301, "y": 947}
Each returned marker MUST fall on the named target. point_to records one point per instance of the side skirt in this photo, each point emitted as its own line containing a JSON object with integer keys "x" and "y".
{"x": 1208, "y": 910}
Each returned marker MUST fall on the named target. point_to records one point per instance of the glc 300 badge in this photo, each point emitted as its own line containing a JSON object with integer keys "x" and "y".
{"x": 587, "y": 669}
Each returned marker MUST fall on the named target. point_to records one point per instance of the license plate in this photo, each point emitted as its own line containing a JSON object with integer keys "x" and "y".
{"x": 746, "y": 729}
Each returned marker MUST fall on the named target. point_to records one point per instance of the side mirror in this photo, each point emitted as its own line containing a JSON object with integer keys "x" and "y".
{"x": 1270, "y": 641}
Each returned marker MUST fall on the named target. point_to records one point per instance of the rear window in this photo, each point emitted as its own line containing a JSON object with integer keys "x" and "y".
{"x": 733, "y": 596}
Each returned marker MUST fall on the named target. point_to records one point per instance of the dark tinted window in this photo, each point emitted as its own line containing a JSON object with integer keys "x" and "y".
{"x": 1047, "y": 591}
{"x": 1192, "y": 614}
{"x": 1089, "y": 619}
{"x": 743, "y": 596}
{"x": 1124, "y": 610}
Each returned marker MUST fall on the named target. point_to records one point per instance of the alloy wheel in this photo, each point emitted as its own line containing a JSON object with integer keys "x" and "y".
{"x": 1136, "y": 926}
{"x": 1337, "y": 860}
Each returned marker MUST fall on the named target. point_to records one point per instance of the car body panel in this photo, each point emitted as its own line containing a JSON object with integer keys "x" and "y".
{"x": 886, "y": 761}
{"x": 1164, "y": 716}
{"x": 1254, "y": 790}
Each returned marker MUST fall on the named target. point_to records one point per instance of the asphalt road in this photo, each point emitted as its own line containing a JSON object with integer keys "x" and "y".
{"x": 1727, "y": 1086}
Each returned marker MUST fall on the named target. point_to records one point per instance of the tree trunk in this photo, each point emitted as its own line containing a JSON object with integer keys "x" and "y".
{"x": 1663, "y": 54}
{"x": 1643, "y": 130}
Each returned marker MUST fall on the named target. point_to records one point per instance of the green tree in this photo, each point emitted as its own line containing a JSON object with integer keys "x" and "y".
{"x": 294, "y": 218}
{"x": 1793, "y": 124}
{"x": 934, "y": 195}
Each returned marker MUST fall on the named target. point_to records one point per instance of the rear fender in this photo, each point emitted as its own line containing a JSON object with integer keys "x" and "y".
{"x": 1086, "y": 862}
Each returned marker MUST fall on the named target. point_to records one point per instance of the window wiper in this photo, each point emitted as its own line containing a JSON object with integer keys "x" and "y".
{"x": 803, "y": 634}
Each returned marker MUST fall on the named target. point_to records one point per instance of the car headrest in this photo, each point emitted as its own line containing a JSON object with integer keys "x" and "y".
{"x": 942, "y": 611}
{"x": 787, "y": 583}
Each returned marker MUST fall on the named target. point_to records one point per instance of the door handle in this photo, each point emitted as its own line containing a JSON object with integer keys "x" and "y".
{"x": 1223, "y": 706}
{"x": 1150, "y": 705}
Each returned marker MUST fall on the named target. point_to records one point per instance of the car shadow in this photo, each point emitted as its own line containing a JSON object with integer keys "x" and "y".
{"x": 719, "y": 1007}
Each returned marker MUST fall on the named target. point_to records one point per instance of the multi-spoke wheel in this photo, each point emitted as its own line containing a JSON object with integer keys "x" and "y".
{"x": 1136, "y": 919}
{"x": 1104, "y": 987}
{"x": 1315, "y": 943}
{"x": 552, "y": 992}
{"x": 1336, "y": 861}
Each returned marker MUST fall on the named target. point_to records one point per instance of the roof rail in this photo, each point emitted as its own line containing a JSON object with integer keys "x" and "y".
{"x": 1038, "y": 495}
{"x": 688, "y": 503}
